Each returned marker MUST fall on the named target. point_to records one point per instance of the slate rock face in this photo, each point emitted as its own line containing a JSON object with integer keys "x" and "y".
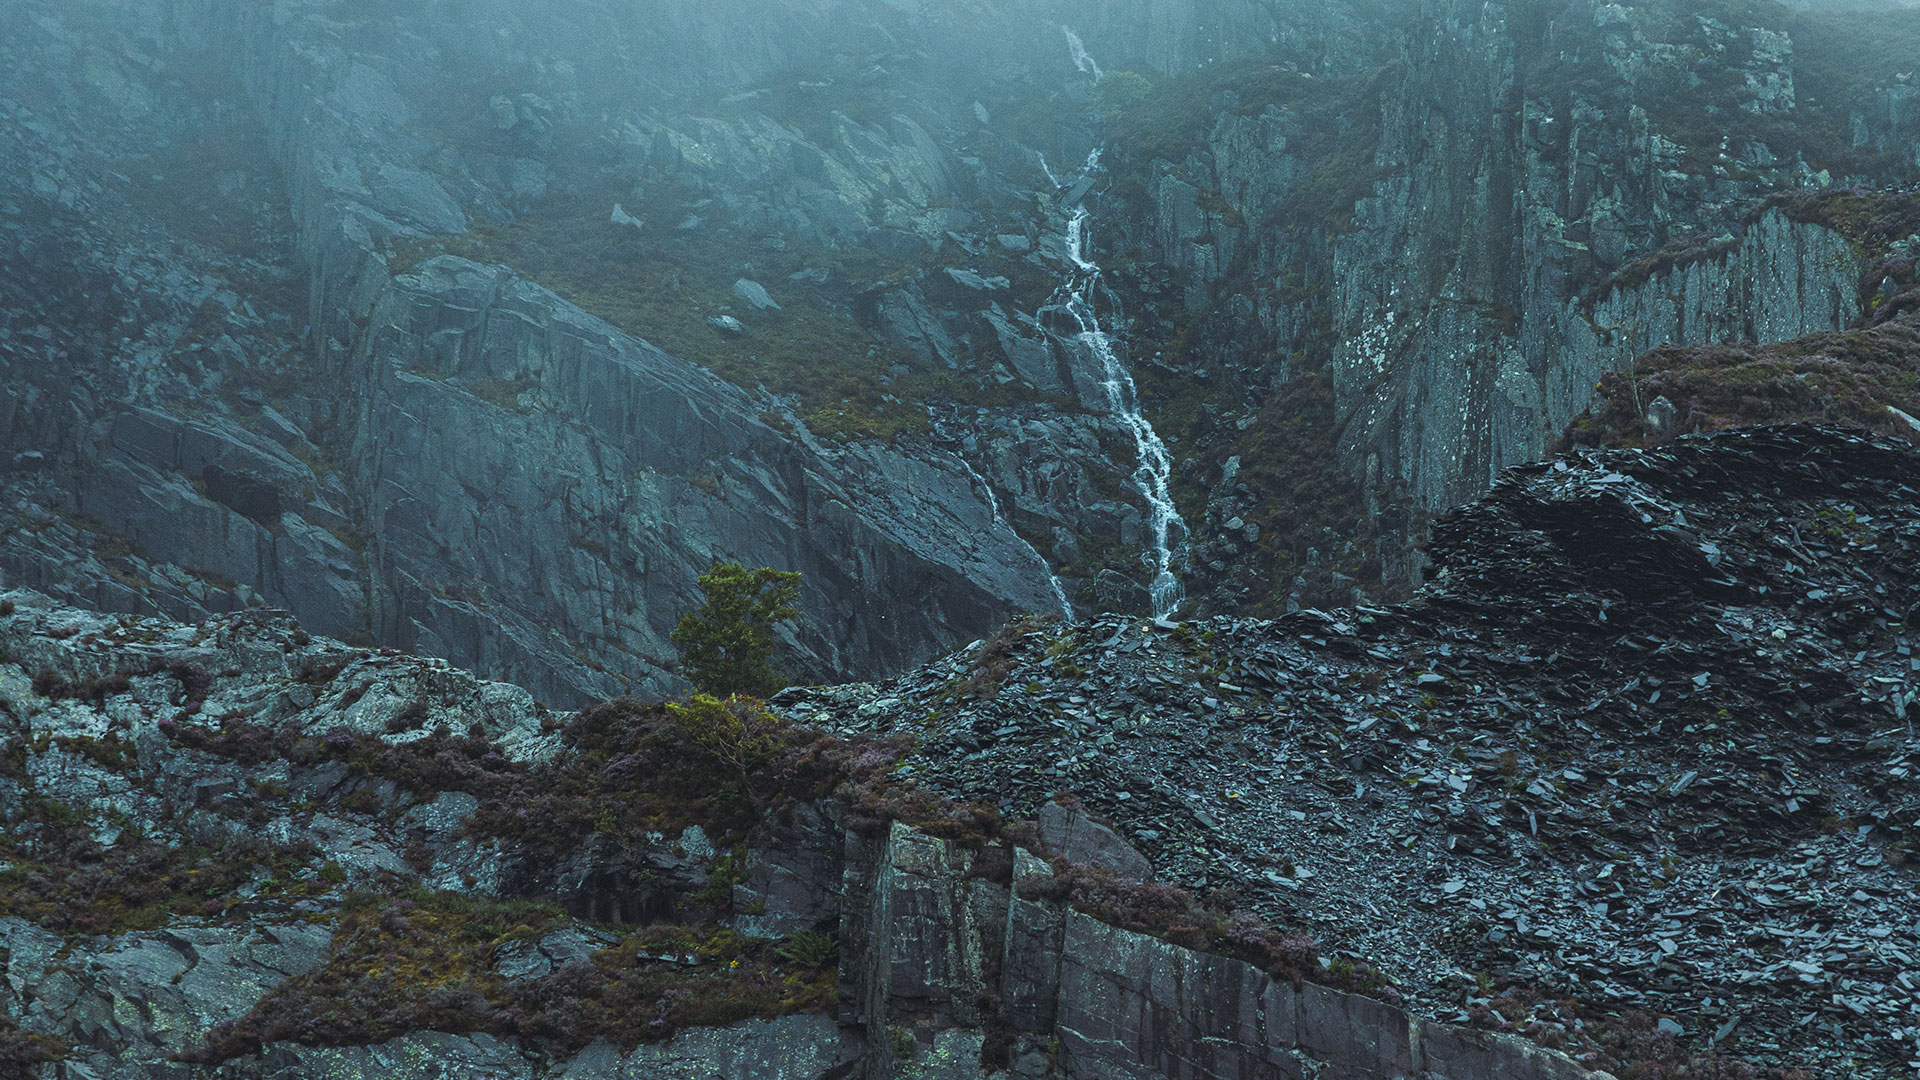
{"x": 1619, "y": 723}
{"x": 1582, "y": 227}
{"x": 200, "y": 442}
{"x": 273, "y": 760}
{"x": 667, "y": 468}
{"x": 1079, "y": 839}
{"x": 261, "y": 422}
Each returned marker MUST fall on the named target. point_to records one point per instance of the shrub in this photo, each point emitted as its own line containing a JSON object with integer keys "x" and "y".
{"x": 1118, "y": 91}
{"x": 809, "y": 948}
{"x": 738, "y": 732}
{"x": 94, "y": 692}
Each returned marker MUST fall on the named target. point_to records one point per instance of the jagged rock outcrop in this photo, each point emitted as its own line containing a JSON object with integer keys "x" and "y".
{"x": 1642, "y": 747}
{"x": 228, "y": 857}
{"x": 1465, "y": 241}
{"x": 1782, "y": 280}
{"x": 195, "y": 443}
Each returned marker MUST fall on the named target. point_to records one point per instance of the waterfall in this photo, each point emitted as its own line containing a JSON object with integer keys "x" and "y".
{"x": 993, "y": 504}
{"x": 1078, "y": 50}
{"x": 1045, "y": 168}
{"x": 1155, "y": 470}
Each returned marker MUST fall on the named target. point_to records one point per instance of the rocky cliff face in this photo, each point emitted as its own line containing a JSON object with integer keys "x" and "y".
{"x": 475, "y": 332}
{"x": 450, "y": 459}
{"x": 1642, "y": 744}
{"x": 1462, "y": 242}
{"x": 234, "y": 850}
{"x": 1443, "y": 840}
{"x": 480, "y": 332}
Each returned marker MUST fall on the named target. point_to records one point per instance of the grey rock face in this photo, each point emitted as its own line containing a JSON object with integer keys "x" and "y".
{"x": 668, "y": 468}
{"x": 790, "y": 1048}
{"x": 1034, "y": 937}
{"x": 1465, "y": 395}
{"x": 148, "y": 995}
{"x": 1781, "y": 280}
{"x": 1490, "y": 269}
{"x": 1232, "y": 1020}
{"x": 792, "y": 879}
{"x": 563, "y": 569}
{"x": 755, "y": 295}
{"x": 429, "y": 1055}
{"x": 1071, "y": 834}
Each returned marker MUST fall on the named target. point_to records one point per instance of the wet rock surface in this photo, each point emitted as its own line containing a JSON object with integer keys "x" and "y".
{"x": 237, "y": 852}
{"x": 286, "y": 322}
{"x": 288, "y": 404}
{"x": 1630, "y": 783}
{"x": 1643, "y": 742}
{"x": 841, "y": 239}
{"x": 1590, "y": 217}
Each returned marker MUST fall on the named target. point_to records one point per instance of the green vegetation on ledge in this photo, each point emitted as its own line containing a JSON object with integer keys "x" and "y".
{"x": 663, "y": 284}
{"x": 1848, "y": 378}
{"x": 425, "y": 961}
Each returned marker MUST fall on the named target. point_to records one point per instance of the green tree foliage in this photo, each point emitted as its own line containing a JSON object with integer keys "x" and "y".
{"x": 726, "y": 644}
{"x": 1116, "y": 92}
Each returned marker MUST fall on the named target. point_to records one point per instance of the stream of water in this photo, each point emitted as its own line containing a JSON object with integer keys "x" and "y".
{"x": 1078, "y": 51}
{"x": 1153, "y": 474}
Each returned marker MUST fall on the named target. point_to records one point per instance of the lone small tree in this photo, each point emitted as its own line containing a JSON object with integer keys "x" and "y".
{"x": 726, "y": 644}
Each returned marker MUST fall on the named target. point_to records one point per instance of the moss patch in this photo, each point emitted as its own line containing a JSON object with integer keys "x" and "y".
{"x": 21, "y": 1051}
{"x": 67, "y": 881}
{"x": 423, "y": 961}
{"x": 663, "y": 284}
{"x": 1848, "y": 378}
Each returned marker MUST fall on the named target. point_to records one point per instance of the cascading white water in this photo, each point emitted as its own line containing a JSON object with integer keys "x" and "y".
{"x": 993, "y": 504}
{"x": 1155, "y": 470}
{"x": 1078, "y": 51}
{"x": 1045, "y": 168}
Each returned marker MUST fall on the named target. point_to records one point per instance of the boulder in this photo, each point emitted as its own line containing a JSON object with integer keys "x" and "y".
{"x": 754, "y": 295}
